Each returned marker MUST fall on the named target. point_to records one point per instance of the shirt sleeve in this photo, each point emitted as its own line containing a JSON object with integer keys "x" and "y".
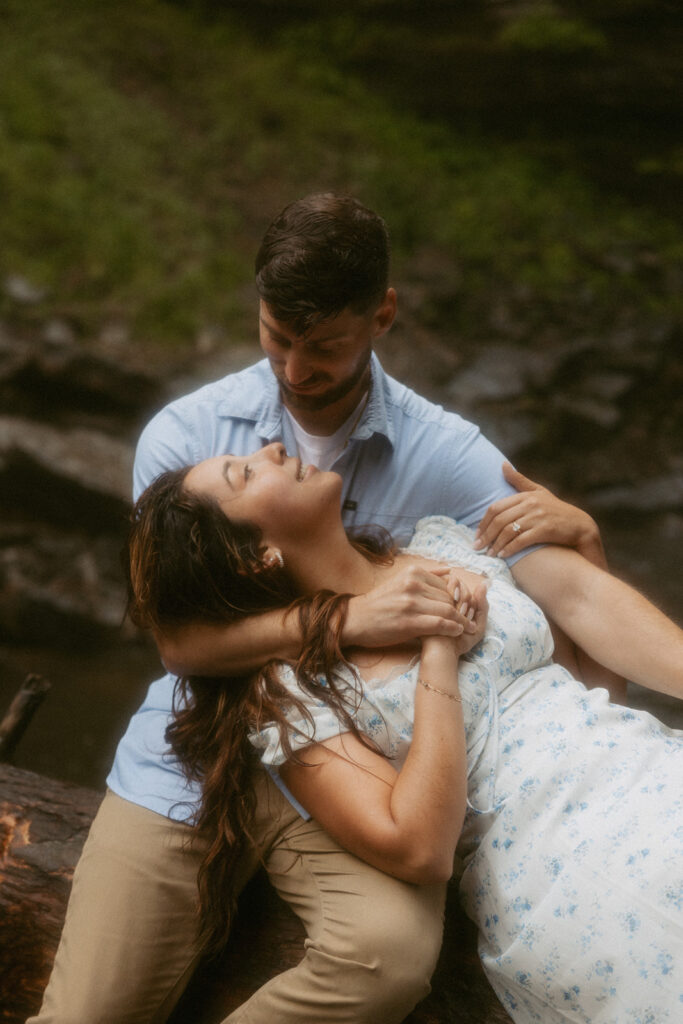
{"x": 473, "y": 479}
{"x": 323, "y": 725}
{"x": 165, "y": 443}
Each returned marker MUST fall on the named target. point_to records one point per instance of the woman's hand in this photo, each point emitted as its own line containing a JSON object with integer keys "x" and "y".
{"x": 406, "y": 823}
{"x": 416, "y": 601}
{"x": 474, "y": 606}
{"x": 536, "y": 516}
{"x": 471, "y": 609}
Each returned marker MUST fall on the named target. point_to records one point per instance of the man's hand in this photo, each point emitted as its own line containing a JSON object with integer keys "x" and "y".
{"x": 415, "y": 602}
{"x": 536, "y": 516}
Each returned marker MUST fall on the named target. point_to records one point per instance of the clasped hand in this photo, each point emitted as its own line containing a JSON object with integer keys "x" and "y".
{"x": 416, "y": 601}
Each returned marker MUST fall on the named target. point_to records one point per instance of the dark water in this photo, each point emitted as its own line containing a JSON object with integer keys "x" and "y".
{"x": 74, "y": 733}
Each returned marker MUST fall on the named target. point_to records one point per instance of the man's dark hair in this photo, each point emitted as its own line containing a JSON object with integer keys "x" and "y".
{"x": 323, "y": 254}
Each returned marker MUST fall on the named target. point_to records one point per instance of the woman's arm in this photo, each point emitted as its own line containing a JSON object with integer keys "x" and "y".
{"x": 414, "y": 603}
{"x": 404, "y": 823}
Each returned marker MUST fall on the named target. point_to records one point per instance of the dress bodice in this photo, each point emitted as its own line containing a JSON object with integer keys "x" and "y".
{"x": 517, "y": 640}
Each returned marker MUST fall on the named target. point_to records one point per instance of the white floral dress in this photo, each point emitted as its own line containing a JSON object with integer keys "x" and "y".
{"x": 573, "y": 840}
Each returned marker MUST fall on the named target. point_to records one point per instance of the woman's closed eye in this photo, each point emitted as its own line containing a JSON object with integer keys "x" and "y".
{"x": 247, "y": 471}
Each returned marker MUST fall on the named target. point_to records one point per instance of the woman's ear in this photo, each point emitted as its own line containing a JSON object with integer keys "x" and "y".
{"x": 271, "y": 558}
{"x": 267, "y": 558}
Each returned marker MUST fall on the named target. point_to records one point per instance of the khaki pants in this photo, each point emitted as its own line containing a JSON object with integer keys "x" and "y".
{"x": 127, "y": 950}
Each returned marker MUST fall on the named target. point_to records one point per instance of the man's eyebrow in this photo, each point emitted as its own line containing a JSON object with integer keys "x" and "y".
{"x": 273, "y": 332}
{"x": 278, "y": 336}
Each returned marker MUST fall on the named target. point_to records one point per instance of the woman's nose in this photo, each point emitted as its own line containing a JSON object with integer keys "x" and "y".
{"x": 275, "y": 452}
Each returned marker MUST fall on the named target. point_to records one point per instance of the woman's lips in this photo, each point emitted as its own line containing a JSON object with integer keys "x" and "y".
{"x": 304, "y": 472}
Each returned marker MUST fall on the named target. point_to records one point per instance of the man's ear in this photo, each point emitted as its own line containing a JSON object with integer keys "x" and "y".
{"x": 385, "y": 314}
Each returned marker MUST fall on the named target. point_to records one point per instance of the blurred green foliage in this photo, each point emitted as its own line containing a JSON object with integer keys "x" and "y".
{"x": 542, "y": 28}
{"x": 144, "y": 147}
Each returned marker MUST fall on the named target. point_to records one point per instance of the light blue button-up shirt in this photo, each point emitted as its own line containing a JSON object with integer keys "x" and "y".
{"x": 405, "y": 459}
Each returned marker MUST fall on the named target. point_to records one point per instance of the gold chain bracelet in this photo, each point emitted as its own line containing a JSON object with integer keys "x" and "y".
{"x": 434, "y": 689}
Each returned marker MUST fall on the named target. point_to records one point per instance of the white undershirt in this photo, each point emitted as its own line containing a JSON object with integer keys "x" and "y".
{"x": 323, "y": 452}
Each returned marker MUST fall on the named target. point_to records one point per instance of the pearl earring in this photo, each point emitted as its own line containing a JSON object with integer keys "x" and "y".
{"x": 276, "y": 559}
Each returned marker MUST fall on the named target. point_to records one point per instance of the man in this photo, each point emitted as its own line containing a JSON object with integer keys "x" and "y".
{"x": 127, "y": 948}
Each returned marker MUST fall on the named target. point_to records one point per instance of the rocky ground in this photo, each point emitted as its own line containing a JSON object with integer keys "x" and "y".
{"x": 596, "y": 417}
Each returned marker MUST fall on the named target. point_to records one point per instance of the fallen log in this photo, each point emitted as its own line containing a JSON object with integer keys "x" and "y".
{"x": 43, "y": 824}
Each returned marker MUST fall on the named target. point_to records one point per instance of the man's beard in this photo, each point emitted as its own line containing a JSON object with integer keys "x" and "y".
{"x": 322, "y": 400}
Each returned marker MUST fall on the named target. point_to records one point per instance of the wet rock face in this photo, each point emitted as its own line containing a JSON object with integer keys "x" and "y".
{"x": 74, "y": 477}
{"x": 597, "y": 418}
{"x": 66, "y": 457}
{"x": 59, "y": 588}
{"x": 57, "y": 381}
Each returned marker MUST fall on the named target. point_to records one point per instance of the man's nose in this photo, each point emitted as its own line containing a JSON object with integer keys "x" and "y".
{"x": 297, "y": 367}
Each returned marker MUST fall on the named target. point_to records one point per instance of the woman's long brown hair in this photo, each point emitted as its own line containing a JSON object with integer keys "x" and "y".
{"x": 186, "y": 562}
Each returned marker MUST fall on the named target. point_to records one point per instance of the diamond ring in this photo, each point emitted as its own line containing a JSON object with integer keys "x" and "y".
{"x": 516, "y": 526}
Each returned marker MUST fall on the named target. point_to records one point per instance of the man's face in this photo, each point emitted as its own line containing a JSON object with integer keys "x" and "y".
{"x": 323, "y": 367}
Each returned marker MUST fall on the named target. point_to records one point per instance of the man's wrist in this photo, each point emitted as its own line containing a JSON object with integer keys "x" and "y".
{"x": 352, "y": 629}
{"x": 290, "y": 637}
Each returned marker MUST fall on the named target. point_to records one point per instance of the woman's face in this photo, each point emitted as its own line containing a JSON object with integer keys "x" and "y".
{"x": 269, "y": 489}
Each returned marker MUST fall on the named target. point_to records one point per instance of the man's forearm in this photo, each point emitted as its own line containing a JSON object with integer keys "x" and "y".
{"x": 414, "y": 603}
{"x": 229, "y": 650}
{"x": 609, "y": 620}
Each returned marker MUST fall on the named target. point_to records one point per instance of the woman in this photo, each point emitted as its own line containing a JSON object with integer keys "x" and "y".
{"x": 565, "y": 808}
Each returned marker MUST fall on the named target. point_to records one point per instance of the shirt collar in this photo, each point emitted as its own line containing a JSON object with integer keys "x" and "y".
{"x": 378, "y": 416}
{"x": 260, "y": 403}
{"x": 256, "y": 399}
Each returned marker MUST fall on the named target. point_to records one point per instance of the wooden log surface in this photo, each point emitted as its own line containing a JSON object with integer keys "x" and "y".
{"x": 43, "y": 824}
